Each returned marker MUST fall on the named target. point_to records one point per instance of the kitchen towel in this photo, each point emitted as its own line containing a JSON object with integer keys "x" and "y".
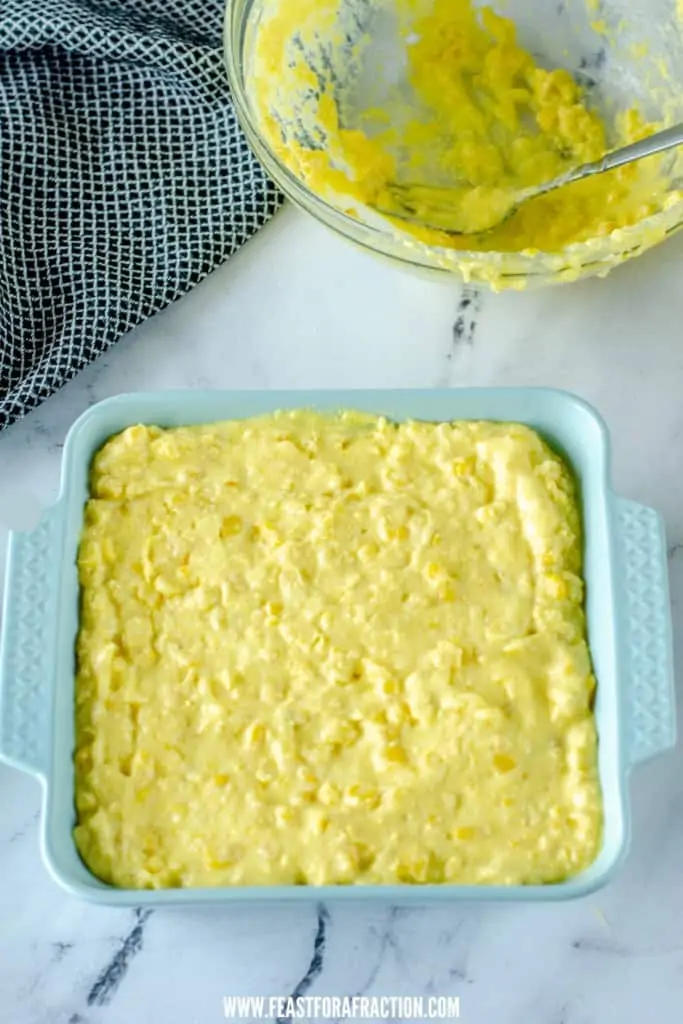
{"x": 124, "y": 176}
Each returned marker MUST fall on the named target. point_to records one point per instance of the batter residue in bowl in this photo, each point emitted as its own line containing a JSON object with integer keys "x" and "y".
{"x": 352, "y": 96}
{"x": 333, "y": 650}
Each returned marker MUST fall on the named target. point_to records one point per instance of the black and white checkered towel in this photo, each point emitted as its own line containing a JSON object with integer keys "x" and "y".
{"x": 124, "y": 177}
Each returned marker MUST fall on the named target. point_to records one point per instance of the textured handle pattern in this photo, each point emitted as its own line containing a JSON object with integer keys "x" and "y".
{"x": 27, "y": 656}
{"x": 647, "y": 620}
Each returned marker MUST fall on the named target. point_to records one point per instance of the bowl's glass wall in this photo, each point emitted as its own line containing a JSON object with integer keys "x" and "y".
{"x": 603, "y": 45}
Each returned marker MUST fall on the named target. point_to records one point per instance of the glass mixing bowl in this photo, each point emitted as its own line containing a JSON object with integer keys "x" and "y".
{"x": 623, "y": 54}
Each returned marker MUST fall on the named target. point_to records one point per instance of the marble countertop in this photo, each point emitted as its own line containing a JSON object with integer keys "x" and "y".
{"x": 298, "y": 308}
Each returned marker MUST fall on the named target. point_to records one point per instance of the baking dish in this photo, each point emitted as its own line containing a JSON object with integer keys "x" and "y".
{"x": 627, "y": 606}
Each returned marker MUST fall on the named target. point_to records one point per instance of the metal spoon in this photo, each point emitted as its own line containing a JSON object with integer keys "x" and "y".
{"x": 435, "y": 207}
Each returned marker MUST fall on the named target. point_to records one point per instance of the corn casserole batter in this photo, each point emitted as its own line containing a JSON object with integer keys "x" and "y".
{"x": 332, "y": 649}
{"x": 463, "y": 107}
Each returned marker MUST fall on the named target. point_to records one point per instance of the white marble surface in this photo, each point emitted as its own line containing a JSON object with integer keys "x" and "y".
{"x": 298, "y": 308}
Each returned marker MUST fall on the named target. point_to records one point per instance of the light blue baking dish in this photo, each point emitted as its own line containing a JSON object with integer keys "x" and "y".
{"x": 627, "y": 608}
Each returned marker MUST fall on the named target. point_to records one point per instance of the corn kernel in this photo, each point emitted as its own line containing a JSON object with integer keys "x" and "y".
{"x": 309, "y": 780}
{"x": 86, "y": 801}
{"x": 464, "y": 466}
{"x": 318, "y": 821}
{"x": 357, "y": 795}
{"x": 395, "y": 753}
{"x": 230, "y": 527}
{"x": 465, "y": 833}
{"x": 504, "y": 763}
{"x": 413, "y": 871}
{"x": 254, "y": 734}
{"x": 329, "y": 794}
{"x": 363, "y": 856}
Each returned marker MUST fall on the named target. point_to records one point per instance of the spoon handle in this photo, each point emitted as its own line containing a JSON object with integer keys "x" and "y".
{"x": 656, "y": 143}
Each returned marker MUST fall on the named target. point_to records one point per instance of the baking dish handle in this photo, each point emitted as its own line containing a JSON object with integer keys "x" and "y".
{"x": 646, "y": 617}
{"x": 29, "y": 632}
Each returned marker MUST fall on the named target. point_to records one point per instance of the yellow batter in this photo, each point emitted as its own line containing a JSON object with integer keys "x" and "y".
{"x": 333, "y": 650}
{"x": 469, "y": 111}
